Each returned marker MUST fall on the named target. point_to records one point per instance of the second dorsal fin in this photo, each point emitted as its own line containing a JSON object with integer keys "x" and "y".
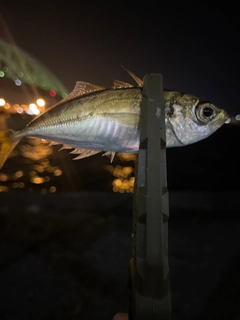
{"x": 137, "y": 79}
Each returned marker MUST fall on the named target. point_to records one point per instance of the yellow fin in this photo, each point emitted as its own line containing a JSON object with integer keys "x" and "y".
{"x": 83, "y": 153}
{"x": 7, "y": 144}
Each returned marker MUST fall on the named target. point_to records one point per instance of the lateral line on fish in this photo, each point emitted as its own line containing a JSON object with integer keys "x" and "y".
{"x": 112, "y": 100}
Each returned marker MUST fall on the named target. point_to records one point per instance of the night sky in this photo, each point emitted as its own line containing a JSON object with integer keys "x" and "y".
{"x": 194, "y": 46}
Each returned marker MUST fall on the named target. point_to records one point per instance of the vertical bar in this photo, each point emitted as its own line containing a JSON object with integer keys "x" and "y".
{"x": 150, "y": 292}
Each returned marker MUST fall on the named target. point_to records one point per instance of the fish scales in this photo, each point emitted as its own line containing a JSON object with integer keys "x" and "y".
{"x": 98, "y": 120}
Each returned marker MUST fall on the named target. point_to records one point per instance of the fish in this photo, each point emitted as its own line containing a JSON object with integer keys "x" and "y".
{"x": 93, "y": 119}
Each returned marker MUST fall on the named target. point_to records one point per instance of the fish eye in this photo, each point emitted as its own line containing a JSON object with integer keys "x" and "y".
{"x": 208, "y": 112}
{"x": 205, "y": 112}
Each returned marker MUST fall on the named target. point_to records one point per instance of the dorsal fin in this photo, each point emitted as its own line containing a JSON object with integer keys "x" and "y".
{"x": 120, "y": 84}
{"x": 137, "y": 79}
{"x": 81, "y": 88}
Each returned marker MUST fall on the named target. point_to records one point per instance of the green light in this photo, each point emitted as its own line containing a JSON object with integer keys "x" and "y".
{"x": 2, "y": 74}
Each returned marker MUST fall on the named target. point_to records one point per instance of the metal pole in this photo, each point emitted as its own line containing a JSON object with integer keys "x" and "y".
{"x": 149, "y": 270}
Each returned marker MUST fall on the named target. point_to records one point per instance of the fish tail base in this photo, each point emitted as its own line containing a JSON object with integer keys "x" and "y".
{"x": 7, "y": 144}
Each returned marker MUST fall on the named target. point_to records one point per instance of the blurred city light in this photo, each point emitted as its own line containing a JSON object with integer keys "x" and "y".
{"x": 52, "y": 189}
{"x": 7, "y": 105}
{"x": 19, "y": 110}
{"x": 124, "y": 179}
{"x": 27, "y": 91}
{"x": 40, "y": 102}
{"x": 37, "y": 180}
{"x": 18, "y": 82}
{"x": 32, "y": 109}
{"x": 2, "y": 102}
{"x": 52, "y": 93}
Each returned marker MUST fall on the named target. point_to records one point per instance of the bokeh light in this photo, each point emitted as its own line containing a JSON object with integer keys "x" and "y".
{"x": 18, "y": 82}
{"x": 40, "y": 102}
{"x": 7, "y": 106}
{"x": 123, "y": 174}
{"x": 2, "y": 102}
{"x": 52, "y": 189}
{"x": 32, "y": 109}
{"x": 52, "y": 93}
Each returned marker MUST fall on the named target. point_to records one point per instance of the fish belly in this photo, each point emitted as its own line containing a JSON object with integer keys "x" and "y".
{"x": 96, "y": 133}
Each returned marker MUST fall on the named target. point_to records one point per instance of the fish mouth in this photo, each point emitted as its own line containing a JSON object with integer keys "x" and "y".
{"x": 225, "y": 116}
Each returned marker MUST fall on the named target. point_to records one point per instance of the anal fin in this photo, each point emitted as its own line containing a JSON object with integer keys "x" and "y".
{"x": 83, "y": 153}
{"x": 110, "y": 155}
{"x": 65, "y": 146}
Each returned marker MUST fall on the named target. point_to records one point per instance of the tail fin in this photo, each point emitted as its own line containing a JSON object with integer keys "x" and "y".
{"x": 7, "y": 144}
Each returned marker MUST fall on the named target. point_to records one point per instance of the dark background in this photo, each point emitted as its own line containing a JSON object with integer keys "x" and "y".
{"x": 65, "y": 256}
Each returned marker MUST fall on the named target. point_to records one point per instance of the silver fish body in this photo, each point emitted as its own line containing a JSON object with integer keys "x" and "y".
{"x": 94, "y": 119}
{"x": 108, "y": 120}
{"x": 104, "y": 120}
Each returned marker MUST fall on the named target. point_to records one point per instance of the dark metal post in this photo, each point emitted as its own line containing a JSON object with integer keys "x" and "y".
{"x": 149, "y": 271}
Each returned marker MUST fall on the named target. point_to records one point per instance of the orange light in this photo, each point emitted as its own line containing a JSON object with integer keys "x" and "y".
{"x": 7, "y": 106}
{"x": 37, "y": 180}
{"x": 52, "y": 189}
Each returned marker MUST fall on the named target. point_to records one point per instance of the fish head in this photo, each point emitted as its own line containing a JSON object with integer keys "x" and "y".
{"x": 189, "y": 119}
